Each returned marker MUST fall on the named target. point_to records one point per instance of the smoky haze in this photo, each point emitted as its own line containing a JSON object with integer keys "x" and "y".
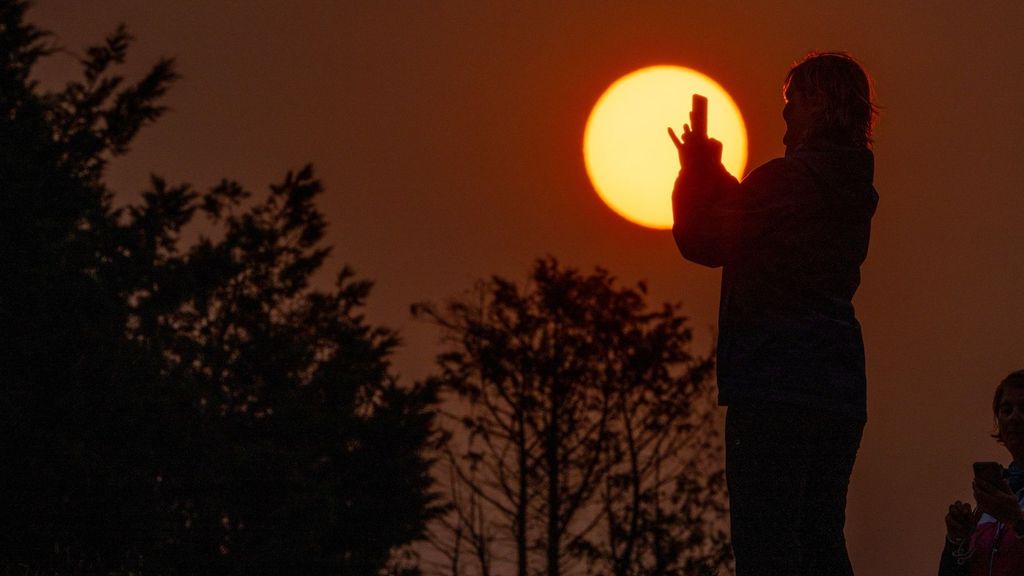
{"x": 448, "y": 137}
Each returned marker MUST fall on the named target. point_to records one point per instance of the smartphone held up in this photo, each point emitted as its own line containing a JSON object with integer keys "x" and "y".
{"x": 699, "y": 116}
{"x": 991, "y": 472}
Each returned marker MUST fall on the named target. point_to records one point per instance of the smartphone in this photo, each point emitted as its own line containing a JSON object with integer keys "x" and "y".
{"x": 699, "y": 115}
{"x": 990, "y": 471}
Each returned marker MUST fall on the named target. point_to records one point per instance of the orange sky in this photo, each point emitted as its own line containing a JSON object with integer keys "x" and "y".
{"x": 448, "y": 138}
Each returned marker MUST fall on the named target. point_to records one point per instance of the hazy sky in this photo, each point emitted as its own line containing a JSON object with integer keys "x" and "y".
{"x": 448, "y": 135}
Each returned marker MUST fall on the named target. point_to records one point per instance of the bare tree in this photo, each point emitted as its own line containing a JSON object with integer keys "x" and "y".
{"x": 663, "y": 499}
{"x": 580, "y": 425}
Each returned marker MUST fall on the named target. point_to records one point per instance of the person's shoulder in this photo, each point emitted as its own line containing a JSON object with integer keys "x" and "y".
{"x": 784, "y": 171}
{"x": 772, "y": 166}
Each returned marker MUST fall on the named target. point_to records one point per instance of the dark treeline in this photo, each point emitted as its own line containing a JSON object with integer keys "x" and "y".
{"x": 178, "y": 398}
{"x": 174, "y": 407}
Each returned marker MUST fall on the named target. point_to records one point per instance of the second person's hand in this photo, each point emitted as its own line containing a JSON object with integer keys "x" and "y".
{"x": 959, "y": 521}
{"x": 997, "y": 500}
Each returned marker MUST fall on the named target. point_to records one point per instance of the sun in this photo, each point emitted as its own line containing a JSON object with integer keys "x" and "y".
{"x": 628, "y": 154}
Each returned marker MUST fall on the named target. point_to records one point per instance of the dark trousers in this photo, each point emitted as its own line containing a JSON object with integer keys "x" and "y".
{"x": 788, "y": 470}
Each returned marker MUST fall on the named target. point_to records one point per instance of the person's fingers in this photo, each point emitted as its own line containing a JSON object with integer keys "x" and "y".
{"x": 675, "y": 139}
{"x": 1000, "y": 486}
{"x": 958, "y": 522}
{"x": 985, "y": 497}
{"x": 983, "y": 485}
{"x": 951, "y": 520}
{"x": 687, "y": 134}
{"x": 956, "y": 510}
{"x": 980, "y": 496}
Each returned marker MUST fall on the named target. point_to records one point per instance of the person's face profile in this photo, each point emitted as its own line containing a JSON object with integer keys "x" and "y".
{"x": 801, "y": 112}
{"x": 797, "y": 115}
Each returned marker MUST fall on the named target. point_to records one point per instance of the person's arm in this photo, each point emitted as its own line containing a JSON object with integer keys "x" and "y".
{"x": 718, "y": 220}
{"x": 700, "y": 215}
{"x": 954, "y": 561}
{"x": 957, "y": 552}
{"x": 701, "y": 192}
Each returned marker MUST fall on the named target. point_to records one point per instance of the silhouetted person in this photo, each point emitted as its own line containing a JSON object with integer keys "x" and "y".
{"x": 989, "y": 541}
{"x": 790, "y": 238}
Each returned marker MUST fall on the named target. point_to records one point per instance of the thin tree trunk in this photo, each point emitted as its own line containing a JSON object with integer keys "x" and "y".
{"x": 455, "y": 553}
{"x": 480, "y": 536}
{"x": 523, "y": 487}
{"x": 554, "y": 500}
{"x": 659, "y": 554}
{"x": 624, "y": 567}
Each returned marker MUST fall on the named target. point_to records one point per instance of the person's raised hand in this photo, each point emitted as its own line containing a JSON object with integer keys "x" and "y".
{"x": 696, "y": 151}
{"x": 959, "y": 521}
{"x": 996, "y": 500}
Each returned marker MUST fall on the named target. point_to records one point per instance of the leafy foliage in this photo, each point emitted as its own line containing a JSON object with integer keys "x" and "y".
{"x": 175, "y": 406}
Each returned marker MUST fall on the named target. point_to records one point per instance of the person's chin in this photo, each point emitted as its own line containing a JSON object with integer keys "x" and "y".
{"x": 1015, "y": 444}
{"x": 788, "y": 139}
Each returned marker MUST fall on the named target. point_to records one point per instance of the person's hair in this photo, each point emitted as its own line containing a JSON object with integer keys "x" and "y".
{"x": 843, "y": 88}
{"x": 1014, "y": 379}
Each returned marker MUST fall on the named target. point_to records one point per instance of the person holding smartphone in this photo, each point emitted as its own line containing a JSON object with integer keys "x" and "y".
{"x": 989, "y": 540}
{"x": 790, "y": 238}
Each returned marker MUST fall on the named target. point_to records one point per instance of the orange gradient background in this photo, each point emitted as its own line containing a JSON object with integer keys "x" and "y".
{"x": 448, "y": 138}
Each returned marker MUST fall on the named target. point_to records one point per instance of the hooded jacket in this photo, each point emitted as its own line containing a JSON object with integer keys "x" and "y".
{"x": 790, "y": 238}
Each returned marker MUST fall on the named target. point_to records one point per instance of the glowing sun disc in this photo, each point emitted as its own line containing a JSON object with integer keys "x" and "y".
{"x": 629, "y": 157}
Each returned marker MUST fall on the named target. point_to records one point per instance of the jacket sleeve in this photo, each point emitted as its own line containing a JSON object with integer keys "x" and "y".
{"x": 718, "y": 220}
{"x": 700, "y": 213}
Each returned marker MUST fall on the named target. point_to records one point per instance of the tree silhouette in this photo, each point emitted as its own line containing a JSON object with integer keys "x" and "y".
{"x": 322, "y": 469}
{"x": 172, "y": 406}
{"x": 581, "y": 434}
